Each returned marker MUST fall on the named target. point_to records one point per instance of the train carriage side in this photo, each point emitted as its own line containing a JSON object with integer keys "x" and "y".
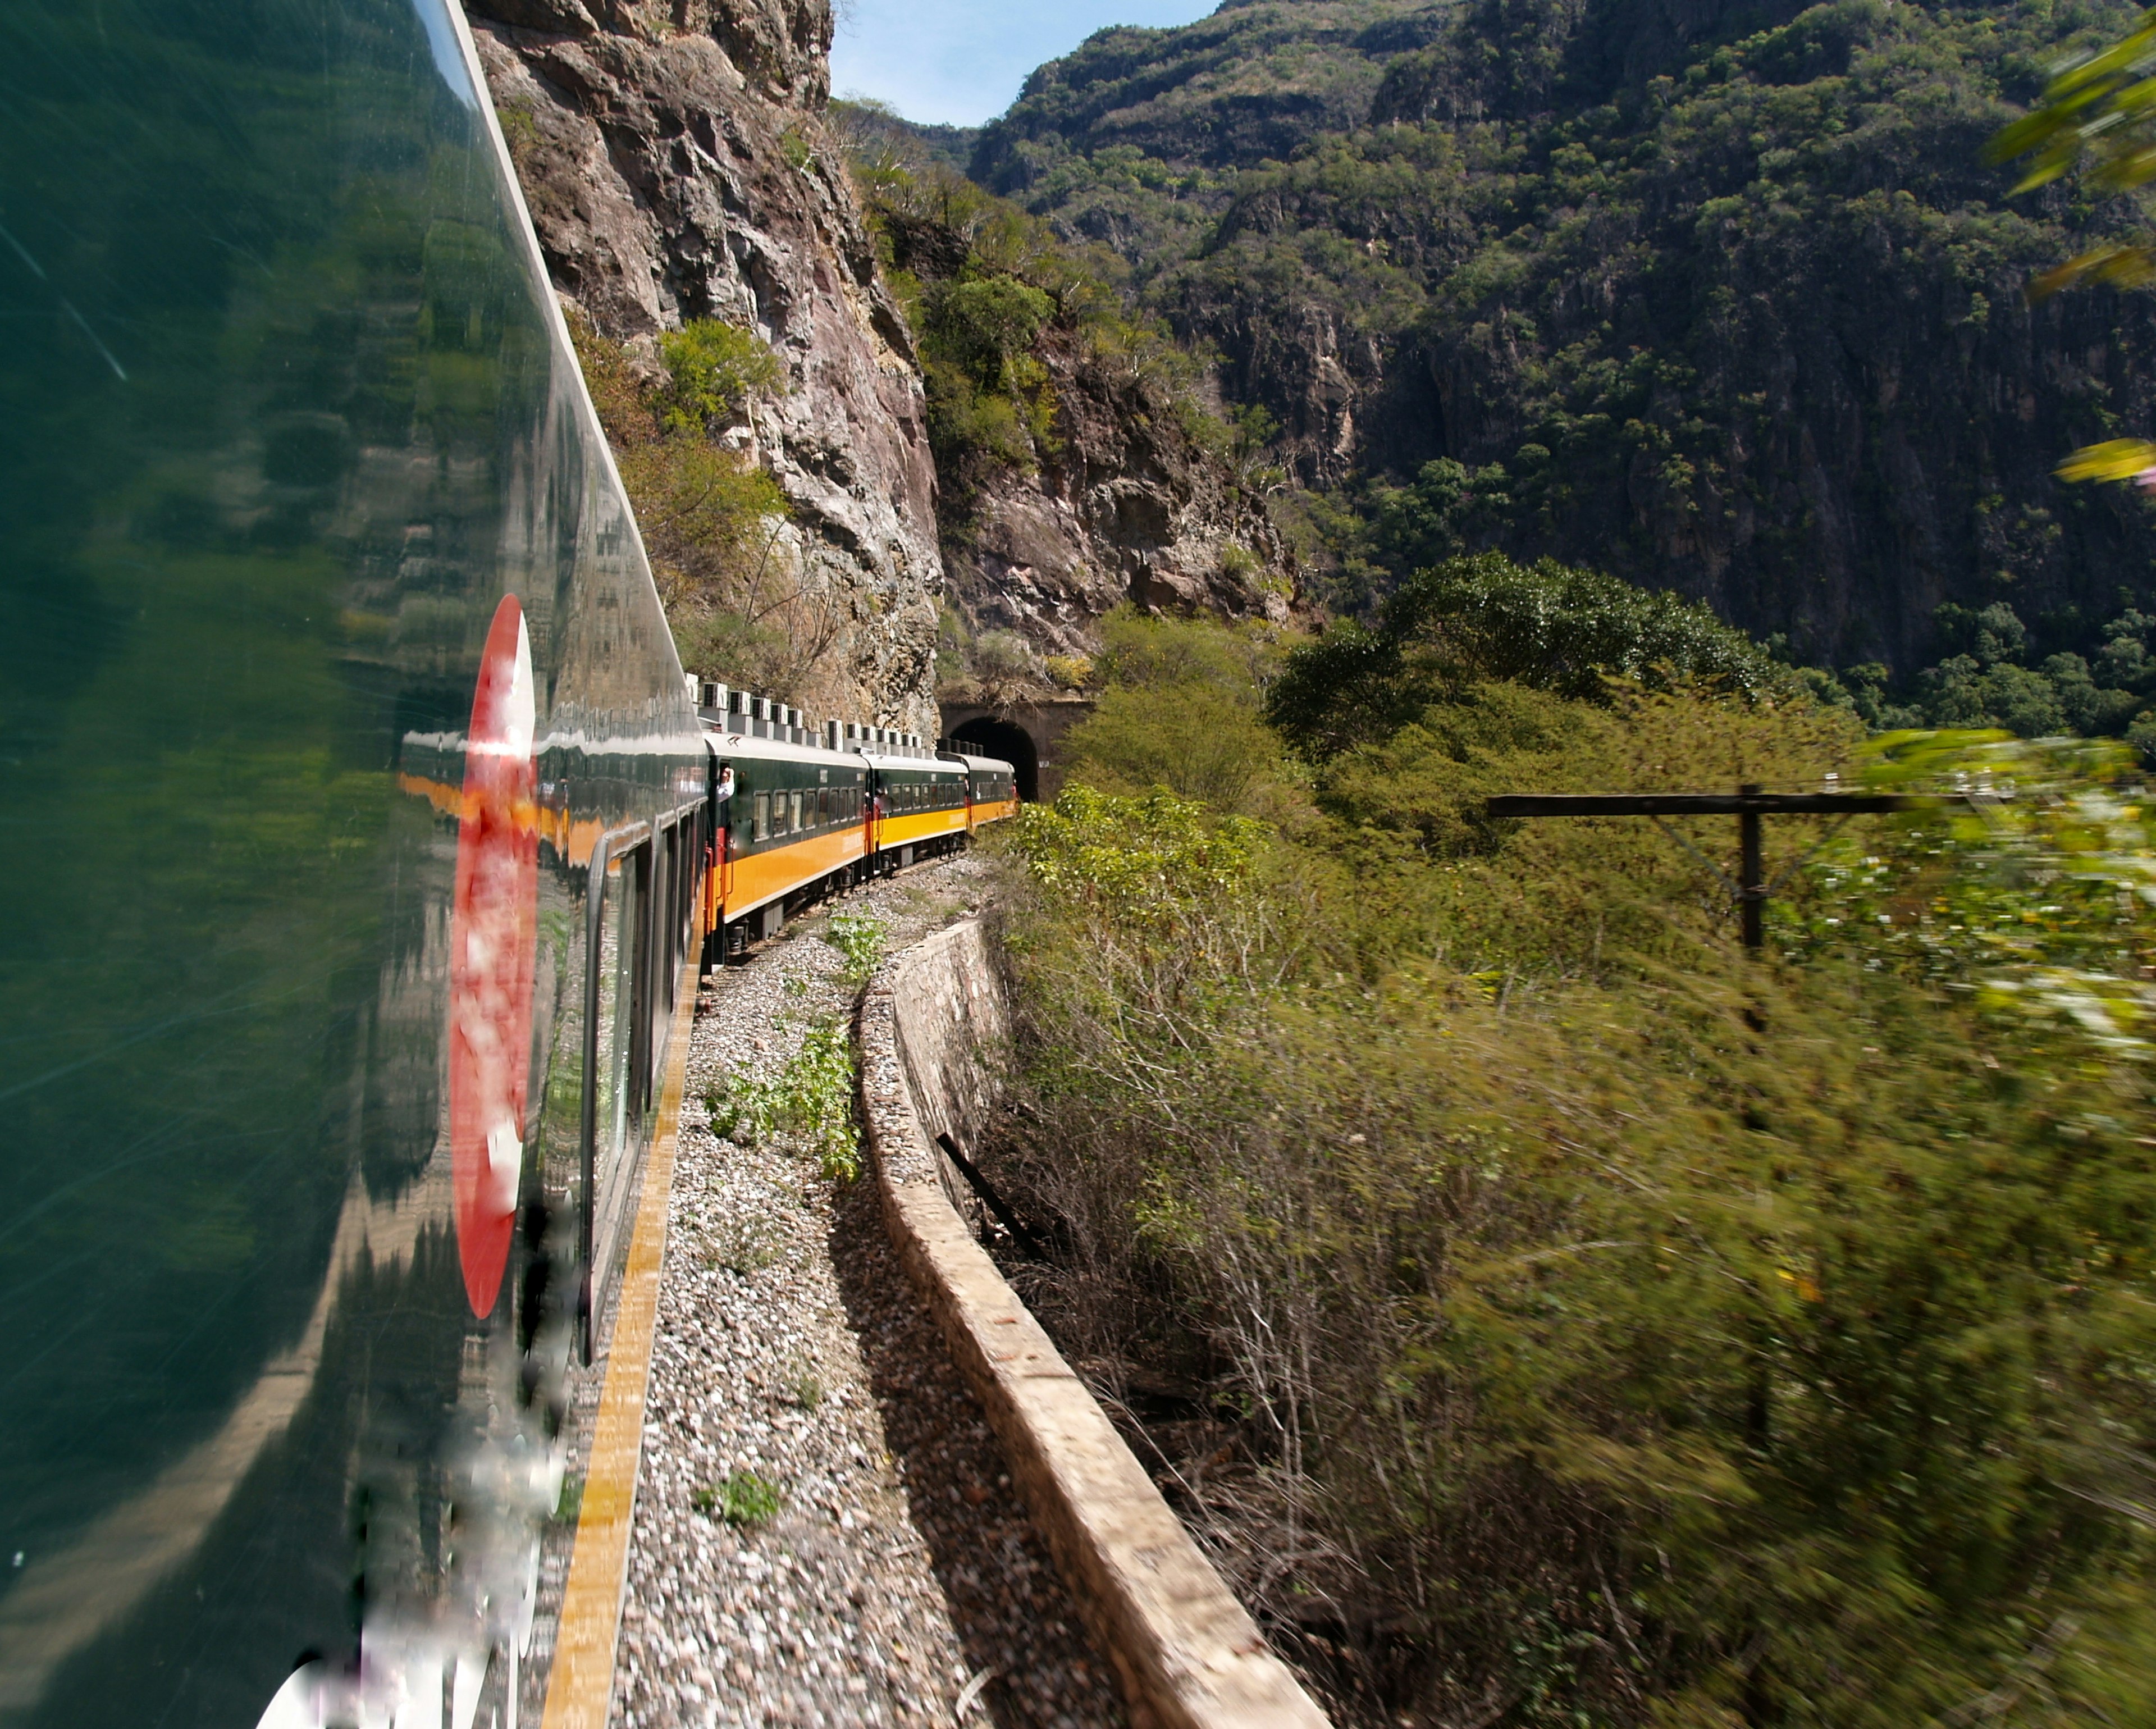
{"x": 338, "y": 1002}
{"x": 991, "y": 788}
{"x": 796, "y": 825}
{"x": 921, "y": 807}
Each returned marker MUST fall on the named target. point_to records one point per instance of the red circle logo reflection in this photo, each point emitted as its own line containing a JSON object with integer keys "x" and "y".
{"x": 493, "y": 934}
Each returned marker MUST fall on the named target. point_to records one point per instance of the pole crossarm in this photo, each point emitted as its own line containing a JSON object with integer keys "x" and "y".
{"x": 1747, "y": 805}
{"x": 1706, "y": 804}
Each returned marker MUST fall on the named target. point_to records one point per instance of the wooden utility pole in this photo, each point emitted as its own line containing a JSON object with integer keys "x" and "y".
{"x": 1747, "y": 805}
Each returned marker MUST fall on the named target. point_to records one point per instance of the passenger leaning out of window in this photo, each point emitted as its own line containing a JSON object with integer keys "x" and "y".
{"x": 723, "y": 799}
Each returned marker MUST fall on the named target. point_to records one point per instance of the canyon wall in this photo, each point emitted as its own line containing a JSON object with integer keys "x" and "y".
{"x": 677, "y": 166}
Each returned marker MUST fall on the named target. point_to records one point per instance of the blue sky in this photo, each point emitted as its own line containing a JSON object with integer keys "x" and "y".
{"x": 960, "y": 62}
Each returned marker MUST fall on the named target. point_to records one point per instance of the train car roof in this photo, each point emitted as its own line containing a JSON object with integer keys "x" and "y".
{"x": 926, "y": 764}
{"x": 978, "y": 762}
{"x": 740, "y": 747}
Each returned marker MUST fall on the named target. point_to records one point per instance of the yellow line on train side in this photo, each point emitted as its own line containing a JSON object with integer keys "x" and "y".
{"x": 581, "y": 1681}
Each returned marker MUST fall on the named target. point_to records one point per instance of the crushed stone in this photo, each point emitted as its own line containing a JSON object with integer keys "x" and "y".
{"x": 899, "y": 1580}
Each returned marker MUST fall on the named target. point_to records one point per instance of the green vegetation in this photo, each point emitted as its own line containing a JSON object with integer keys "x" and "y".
{"x": 741, "y": 1497}
{"x": 1008, "y": 317}
{"x": 1475, "y": 619}
{"x": 1584, "y": 1321}
{"x": 712, "y": 521}
{"x": 859, "y": 939}
{"x": 714, "y": 370}
{"x": 810, "y": 1101}
{"x": 569, "y": 1504}
{"x": 1737, "y": 312}
{"x": 1177, "y": 707}
{"x": 1133, "y": 138}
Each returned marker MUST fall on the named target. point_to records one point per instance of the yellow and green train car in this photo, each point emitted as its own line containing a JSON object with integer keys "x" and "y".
{"x": 805, "y": 820}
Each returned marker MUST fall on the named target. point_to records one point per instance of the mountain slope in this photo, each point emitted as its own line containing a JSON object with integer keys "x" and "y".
{"x": 1129, "y": 139}
{"x": 1717, "y": 297}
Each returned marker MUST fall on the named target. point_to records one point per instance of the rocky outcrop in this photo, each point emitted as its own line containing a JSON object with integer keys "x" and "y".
{"x": 1125, "y": 507}
{"x": 677, "y": 166}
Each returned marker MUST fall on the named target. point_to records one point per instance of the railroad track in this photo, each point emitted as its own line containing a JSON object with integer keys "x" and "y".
{"x": 823, "y": 1528}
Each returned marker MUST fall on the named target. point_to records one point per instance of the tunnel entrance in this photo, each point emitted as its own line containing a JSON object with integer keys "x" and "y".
{"x": 986, "y": 736}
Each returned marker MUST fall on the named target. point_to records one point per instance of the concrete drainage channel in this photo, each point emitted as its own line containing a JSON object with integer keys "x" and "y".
{"x": 1188, "y": 1655}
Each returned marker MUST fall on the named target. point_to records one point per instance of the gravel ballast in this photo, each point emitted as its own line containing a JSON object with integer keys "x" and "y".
{"x": 826, "y": 1532}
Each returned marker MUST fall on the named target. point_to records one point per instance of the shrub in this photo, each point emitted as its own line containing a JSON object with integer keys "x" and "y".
{"x": 741, "y": 1497}
{"x": 713, "y": 371}
{"x": 810, "y": 1100}
{"x": 983, "y": 325}
{"x": 1625, "y": 1328}
{"x": 1179, "y": 709}
{"x": 1195, "y": 742}
{"x": 1474, "y": 619}
{"x": 859, "y": 939}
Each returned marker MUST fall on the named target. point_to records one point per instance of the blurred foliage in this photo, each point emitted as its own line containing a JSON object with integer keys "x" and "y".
{"x": 1604, "y": 1326}
{"x": 743, "y": 1498}
{"x": 2036, "y": 889}
{"x": 2098, "y": 112}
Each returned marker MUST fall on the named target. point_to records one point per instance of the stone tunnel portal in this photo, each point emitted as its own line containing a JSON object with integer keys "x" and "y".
{"x": 986, "y": 736}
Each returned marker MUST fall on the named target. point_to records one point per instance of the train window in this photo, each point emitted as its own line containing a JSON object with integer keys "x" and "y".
{"x": 617, "y": 1034}
{"x": 759, "y": 827}
{"x": 615, "y": 972}
{"x": 793, "y": 811}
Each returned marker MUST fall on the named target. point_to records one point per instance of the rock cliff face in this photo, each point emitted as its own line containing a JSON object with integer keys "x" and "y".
{"x": 1126, "y": 507}
{"x": 677, "y": 166}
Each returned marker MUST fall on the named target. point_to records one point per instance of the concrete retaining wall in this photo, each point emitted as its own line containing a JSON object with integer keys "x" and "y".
{"x": 1187, "y": 1653}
